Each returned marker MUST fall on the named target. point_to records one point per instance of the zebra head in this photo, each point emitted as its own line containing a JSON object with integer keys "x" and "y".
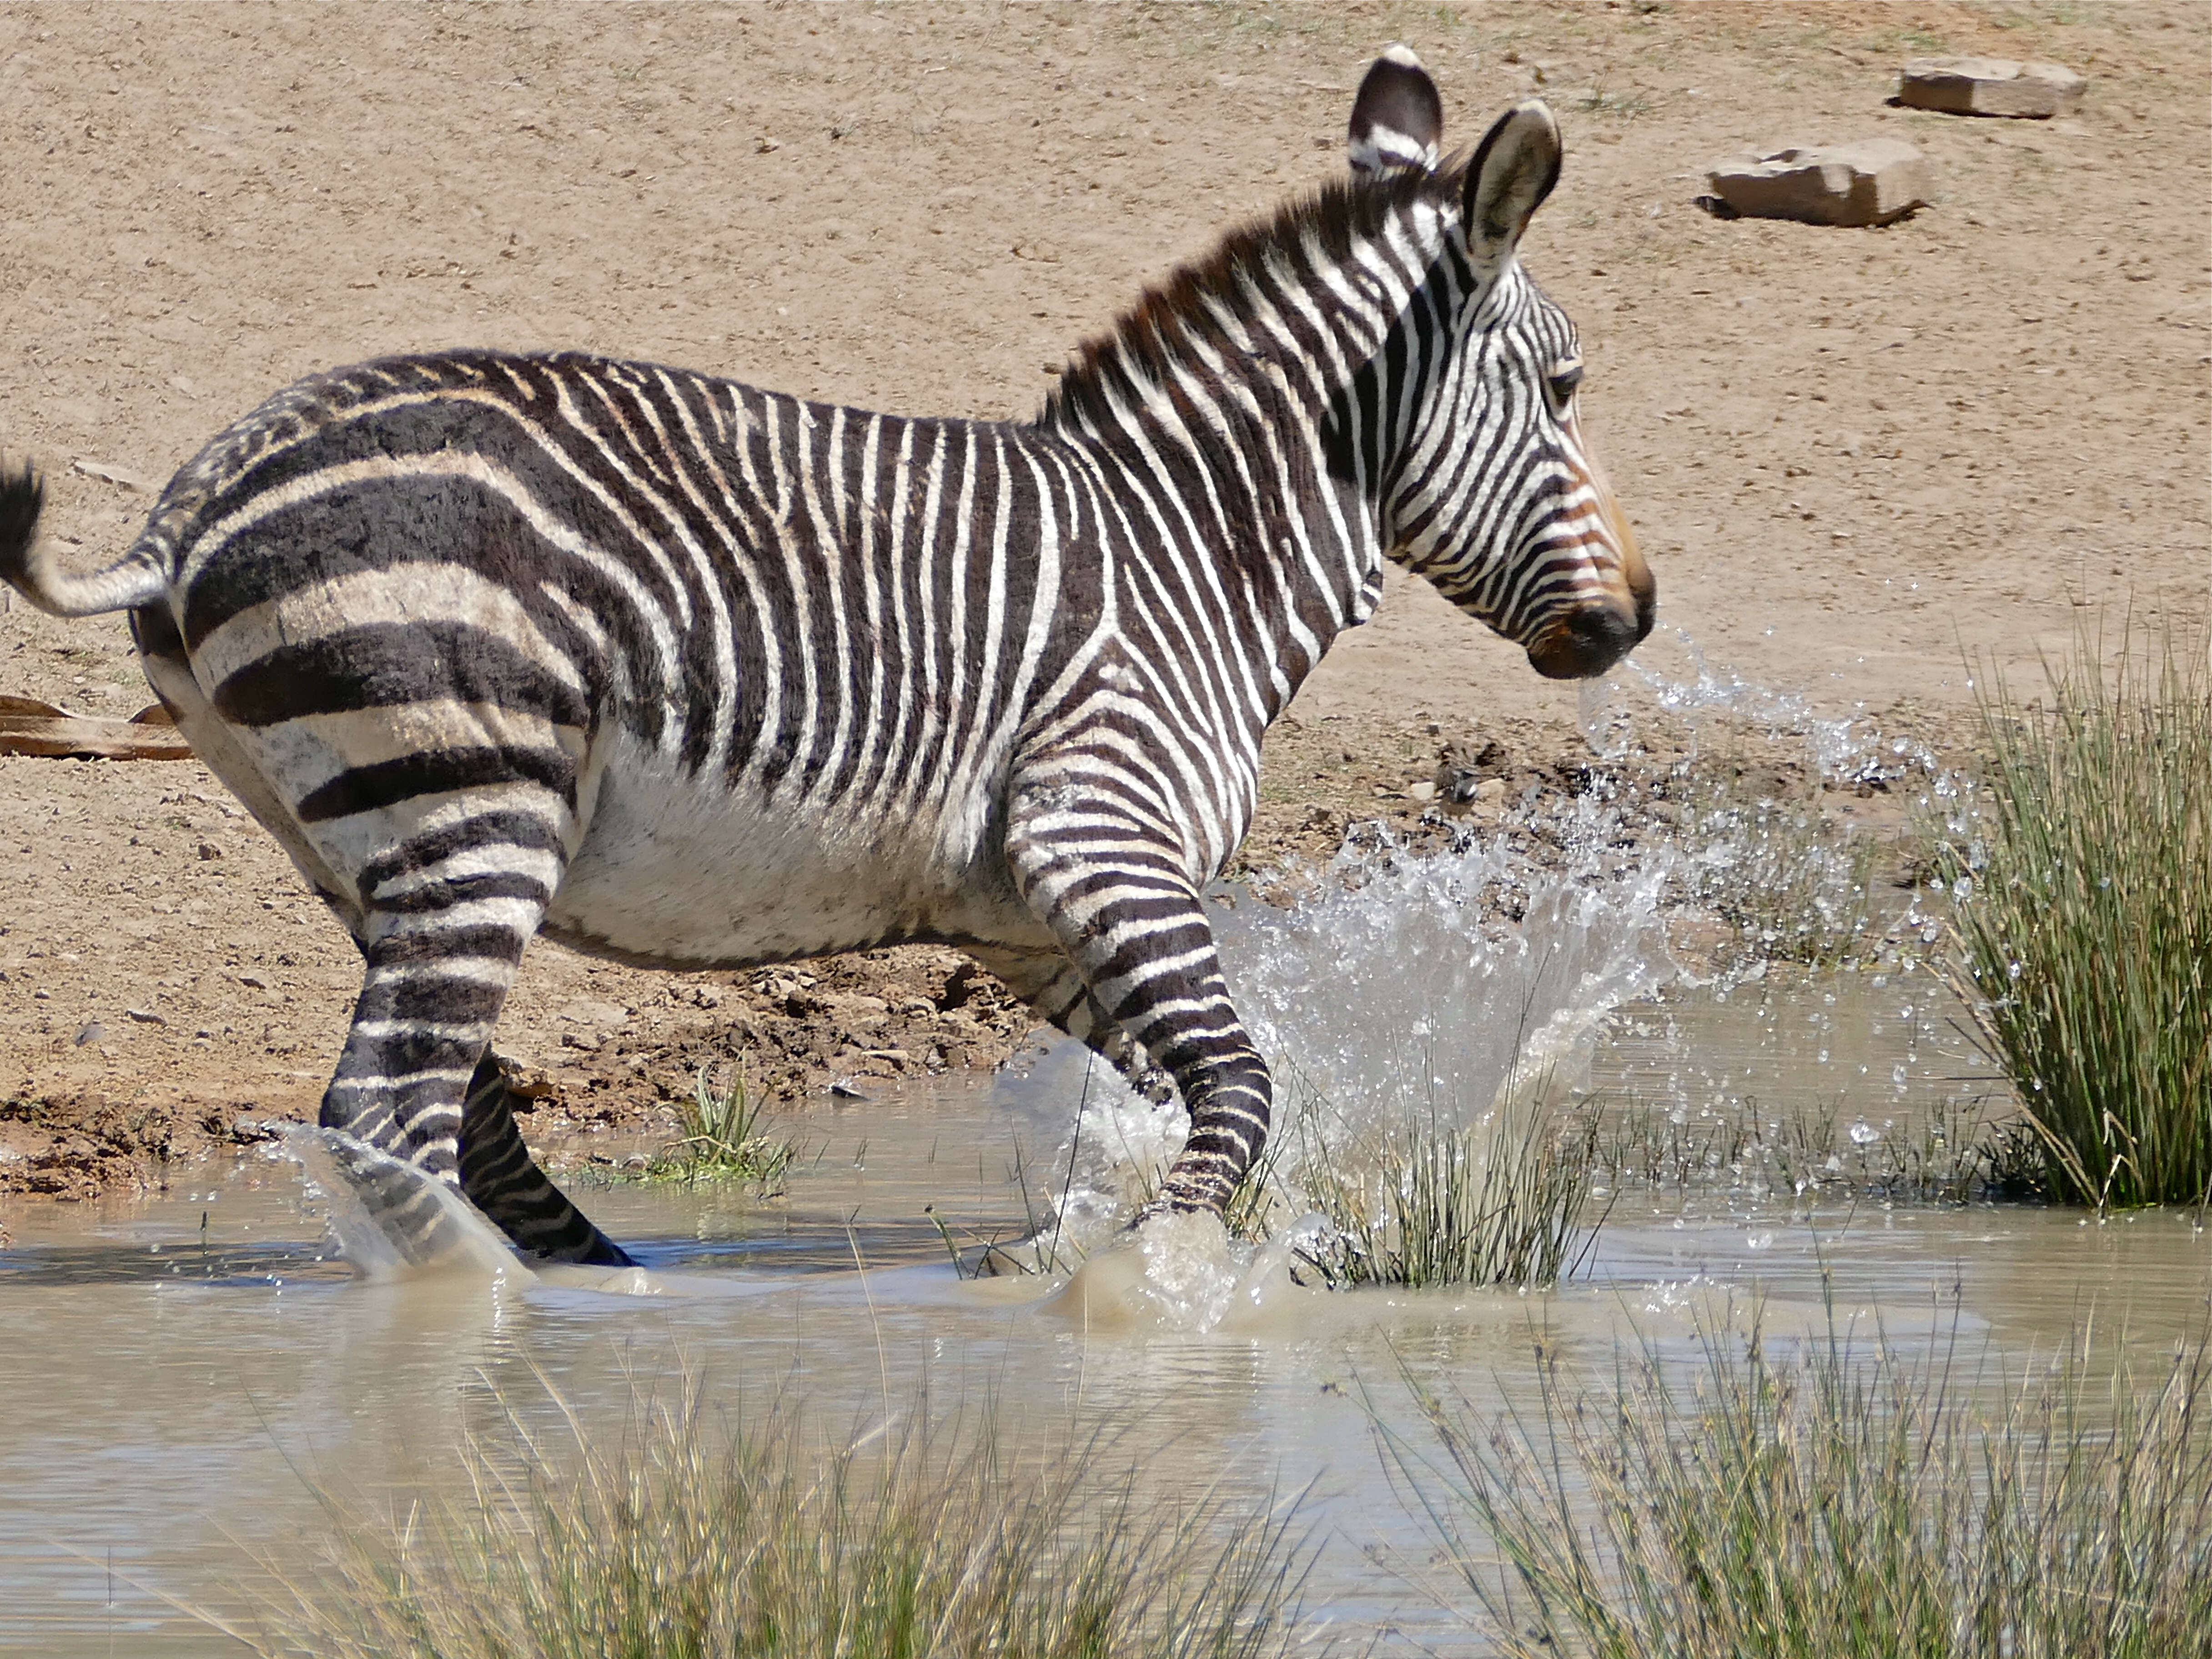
{"x": 1483, "y": 482}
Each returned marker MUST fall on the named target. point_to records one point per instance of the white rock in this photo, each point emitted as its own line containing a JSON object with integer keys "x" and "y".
{"x": 1867, "y": 183}
{"x": 587, "y": 1010}
{"x": 1990, "y": 86}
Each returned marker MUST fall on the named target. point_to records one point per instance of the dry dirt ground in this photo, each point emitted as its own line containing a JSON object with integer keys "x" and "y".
{"x": 1854, "y": 456}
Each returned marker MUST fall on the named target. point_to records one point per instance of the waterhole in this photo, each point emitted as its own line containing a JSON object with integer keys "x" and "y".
{"x": 183, "y": 1375}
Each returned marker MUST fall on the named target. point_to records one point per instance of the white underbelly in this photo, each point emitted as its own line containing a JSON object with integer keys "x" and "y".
{"x": 682, "y": 870}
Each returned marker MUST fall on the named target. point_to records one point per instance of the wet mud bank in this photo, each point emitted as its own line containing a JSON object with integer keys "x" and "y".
{"x": 609, "y": 1073}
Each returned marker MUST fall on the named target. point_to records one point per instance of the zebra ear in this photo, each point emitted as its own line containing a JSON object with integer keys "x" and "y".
{"x": 1397, "y": 120}
{"x": 1513, "y": 171}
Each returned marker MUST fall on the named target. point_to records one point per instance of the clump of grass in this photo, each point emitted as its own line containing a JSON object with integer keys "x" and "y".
{"x": 1832, "y": 1503}
{"x": 1625, "y": 105}
{"x": 722, "y": 1140}
{"x": 1255, "y": 1208}
{"x": 2081, "y": 878}
{"x": 756, "y": 1542}
{"x": 1443, "y": 1204}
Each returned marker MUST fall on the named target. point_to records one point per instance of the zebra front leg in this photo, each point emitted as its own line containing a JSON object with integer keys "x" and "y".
{"x": 1119, "y": 902}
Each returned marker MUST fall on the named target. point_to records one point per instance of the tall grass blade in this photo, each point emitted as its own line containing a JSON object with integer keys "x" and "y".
{"x": 723, "y": 1139}
{"x": 1439, "y": 1204}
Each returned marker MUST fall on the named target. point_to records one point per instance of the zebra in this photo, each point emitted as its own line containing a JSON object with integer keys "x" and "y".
{"x": 692, "y": 675}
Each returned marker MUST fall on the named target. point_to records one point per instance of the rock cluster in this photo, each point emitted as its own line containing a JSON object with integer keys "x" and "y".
{"x": 1874, "y": 181}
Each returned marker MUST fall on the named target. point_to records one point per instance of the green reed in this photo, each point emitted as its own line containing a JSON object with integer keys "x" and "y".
{"x": 1962, "y": 1150}
{"x": 2081, "y": 870}
{"x": 1831, "y": 1503}
{"x": 1438, "y": 1203}
{"x": 691, "y": 1539}
{"x": 722, "y": 1140}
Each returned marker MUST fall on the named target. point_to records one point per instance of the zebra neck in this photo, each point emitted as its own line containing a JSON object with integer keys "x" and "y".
{"x": 1264, "y": 392}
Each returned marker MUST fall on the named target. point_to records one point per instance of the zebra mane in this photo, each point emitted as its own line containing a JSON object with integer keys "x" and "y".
{"x": 1124, "y": 364}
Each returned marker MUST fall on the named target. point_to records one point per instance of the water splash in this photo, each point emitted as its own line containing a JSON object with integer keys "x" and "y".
{"x": 387, "y": 1219}
{"x": 1468, "y": 989}
{"x": 1849, "y": 750}
{"x": 1792, "y": 878}
{"x": 1400, "y": 980}
{"x": 1461, "y": 991}
{"x": 1180, "y": 1273}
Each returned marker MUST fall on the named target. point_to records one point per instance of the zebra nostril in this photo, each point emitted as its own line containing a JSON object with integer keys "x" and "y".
{"x": 1646, "y": 593}
{"x": 1590, "y": 640}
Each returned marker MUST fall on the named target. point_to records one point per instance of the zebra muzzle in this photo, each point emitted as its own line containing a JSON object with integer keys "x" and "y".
{"x": 1601, "y": 628}
{"x": 1612, "y": 616}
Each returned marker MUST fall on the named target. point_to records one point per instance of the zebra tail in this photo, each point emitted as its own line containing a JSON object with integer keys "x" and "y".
{"x": 137, "y": 577}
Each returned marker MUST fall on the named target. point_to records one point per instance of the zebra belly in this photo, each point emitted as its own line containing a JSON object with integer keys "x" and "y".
{"x": 680, "y": 871}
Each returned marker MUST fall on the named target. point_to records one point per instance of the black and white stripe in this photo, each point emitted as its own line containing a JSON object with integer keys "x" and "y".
{"x": 693, "y": 674}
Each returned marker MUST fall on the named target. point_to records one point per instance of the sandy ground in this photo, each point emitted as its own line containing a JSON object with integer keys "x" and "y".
{"x": 1856, "y": 457}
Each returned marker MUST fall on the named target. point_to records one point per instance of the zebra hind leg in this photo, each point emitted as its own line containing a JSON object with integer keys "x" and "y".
{"x": 430, "y": 995}
{"x": 504, "y": 1182}
{"x": 446, "y": 903}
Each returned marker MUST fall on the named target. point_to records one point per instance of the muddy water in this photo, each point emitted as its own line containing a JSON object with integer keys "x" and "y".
{"x": 181, "y": 1375}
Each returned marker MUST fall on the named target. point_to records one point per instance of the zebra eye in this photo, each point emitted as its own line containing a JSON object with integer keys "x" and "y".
{"x": 1564, "y": 380}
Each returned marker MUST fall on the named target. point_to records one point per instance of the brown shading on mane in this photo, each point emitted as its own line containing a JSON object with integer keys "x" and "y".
{"x": 1136, "y": 352}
